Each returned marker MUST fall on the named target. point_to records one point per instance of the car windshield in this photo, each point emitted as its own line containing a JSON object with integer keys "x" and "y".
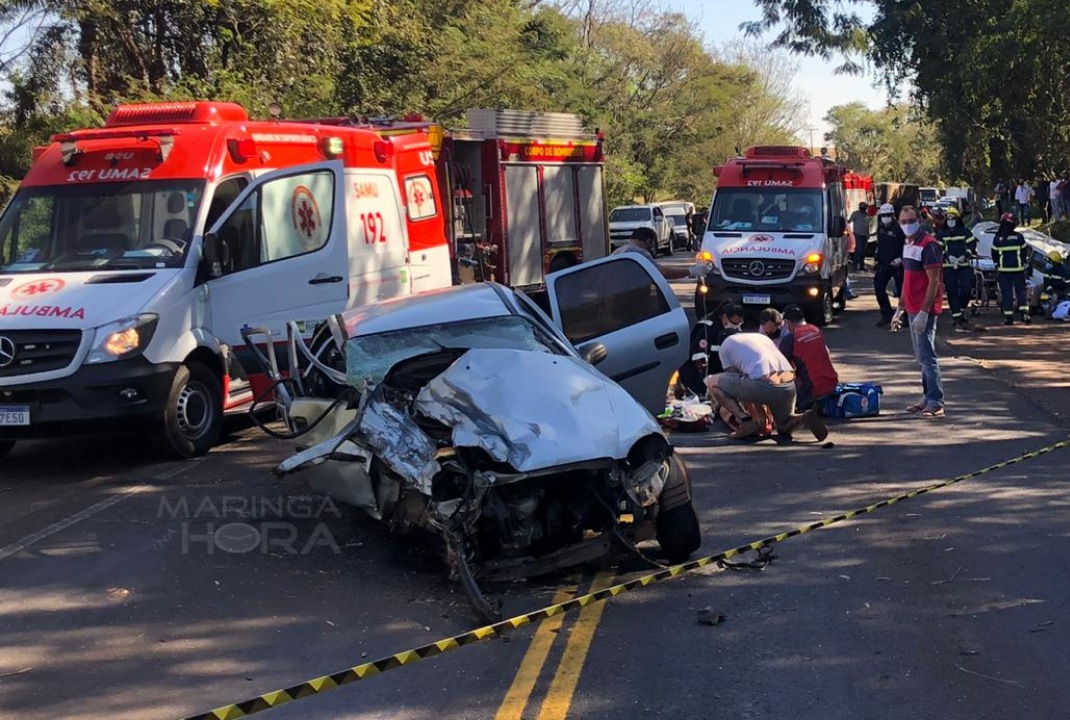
{"x": 678, "y": 220}
{"x": 780, "y": 210}
{"x": 630, "y": 215}
{"x": 113, "y": 226}
{"x": 370, "y": 357}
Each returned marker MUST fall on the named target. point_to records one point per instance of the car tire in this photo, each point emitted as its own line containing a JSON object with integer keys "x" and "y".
{"x": 677, "y": 527}
{"x": 669, "y": 247}
{"x": 193, "y": 416}
{"x": 5, "y": 447}
{"x": 821, "y": 313}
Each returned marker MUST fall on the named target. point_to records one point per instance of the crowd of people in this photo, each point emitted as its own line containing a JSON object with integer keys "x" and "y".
{"x": 1051, "y": 196}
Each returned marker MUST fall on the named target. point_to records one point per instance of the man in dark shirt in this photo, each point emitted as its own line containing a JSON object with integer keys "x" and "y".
{"x": 890, "y": 241}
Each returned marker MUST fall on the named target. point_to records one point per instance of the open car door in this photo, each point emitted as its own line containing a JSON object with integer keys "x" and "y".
{"x": 624, "y": 303}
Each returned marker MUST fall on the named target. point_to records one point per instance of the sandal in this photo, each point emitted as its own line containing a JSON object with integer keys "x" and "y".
{"x": 915, "y": 409}
{"x": 932, "y": 412}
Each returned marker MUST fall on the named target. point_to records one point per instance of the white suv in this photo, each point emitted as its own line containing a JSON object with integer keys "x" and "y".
{"x": 626, "y": 218}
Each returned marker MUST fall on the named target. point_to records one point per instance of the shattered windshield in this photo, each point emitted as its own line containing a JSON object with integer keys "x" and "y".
{"x": 113, "y": 226}
{"x": 371, "y": 357}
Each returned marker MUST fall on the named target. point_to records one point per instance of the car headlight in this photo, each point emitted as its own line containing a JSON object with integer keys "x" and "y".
{"x": 124, "y": 339}
{"x": 813, "y": 263}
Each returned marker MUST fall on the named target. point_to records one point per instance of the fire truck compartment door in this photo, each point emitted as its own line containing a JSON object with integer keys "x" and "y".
{"x": 624, "y": 302}
{"x": 284, "y": 244}
{"x": 593, "y": 225}
{"x": 524, "y": 228}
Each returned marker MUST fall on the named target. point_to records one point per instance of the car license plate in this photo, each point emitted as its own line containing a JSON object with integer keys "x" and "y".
{"x": 14, "y": 415}
{"x": 757, "y": 300}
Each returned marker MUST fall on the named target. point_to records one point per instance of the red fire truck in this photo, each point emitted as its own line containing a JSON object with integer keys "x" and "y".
{"x": 527, "y": 193}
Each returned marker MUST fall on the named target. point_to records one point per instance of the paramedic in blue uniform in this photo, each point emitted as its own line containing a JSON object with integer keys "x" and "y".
{"x": 1011, "y": 254}
{"x": 890, "y": 241}
{"x": 959, "y": 248}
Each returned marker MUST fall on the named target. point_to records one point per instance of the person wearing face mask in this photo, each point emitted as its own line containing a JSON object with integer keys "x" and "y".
{"x": 921, "y": 299}
{"x": 959, "y": 246}
{"x": 706, "y": 340}
{"x": 889, "y": 259}
{"x": 1011, "y": 255}
{"x": 771, "y": 322}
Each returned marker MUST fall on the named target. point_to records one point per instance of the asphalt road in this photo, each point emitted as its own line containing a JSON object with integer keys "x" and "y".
{"x": 119, "y": 599}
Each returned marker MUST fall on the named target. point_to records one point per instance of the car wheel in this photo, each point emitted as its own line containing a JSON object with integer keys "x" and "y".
{"x": 822, "y": 312}
{"x": 5, "y": 447}
{"x": 677, "y": 524}
{"x": 668, "y": 247}
{"x": 193, "y": 417}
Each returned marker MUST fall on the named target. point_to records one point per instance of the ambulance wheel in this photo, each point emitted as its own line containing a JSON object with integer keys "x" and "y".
{"x": 5, "y": 447}
{"x": 821, "y": 313}
{"x": 193, "y": 417}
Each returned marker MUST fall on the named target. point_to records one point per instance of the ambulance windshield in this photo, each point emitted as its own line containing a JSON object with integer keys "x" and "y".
{"x": 106, "y": 226}
{"x": 782, "y": 210}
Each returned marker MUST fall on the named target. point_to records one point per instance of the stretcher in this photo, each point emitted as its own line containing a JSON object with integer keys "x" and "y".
{"x": 985, "y": 286}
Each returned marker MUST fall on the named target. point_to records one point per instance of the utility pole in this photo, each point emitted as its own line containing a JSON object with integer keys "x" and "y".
{"x": 811, "y": 131}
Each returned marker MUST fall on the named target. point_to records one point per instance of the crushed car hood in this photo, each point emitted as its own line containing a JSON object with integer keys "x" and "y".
{"x": 534, "y": 410}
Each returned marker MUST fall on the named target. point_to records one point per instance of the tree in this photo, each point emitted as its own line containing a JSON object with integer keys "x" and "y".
{"x": 987, "y": 72}
{"x": 891, "y": 144}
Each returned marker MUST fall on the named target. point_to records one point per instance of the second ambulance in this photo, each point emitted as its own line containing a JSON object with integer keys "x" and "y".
{"x": 777, "y": 234}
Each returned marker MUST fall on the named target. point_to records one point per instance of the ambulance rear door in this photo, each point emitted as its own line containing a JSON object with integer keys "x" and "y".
{"x": 283, "y": 252}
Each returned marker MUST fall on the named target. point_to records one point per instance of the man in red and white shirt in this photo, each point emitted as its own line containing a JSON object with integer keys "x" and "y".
{"x": 921, "y": 298}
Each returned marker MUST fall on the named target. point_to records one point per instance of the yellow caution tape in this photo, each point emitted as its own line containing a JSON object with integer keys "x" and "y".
{"x": 364, "y": 671}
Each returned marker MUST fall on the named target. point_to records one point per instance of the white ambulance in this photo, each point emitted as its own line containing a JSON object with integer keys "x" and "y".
{"x": 133, "y": 255}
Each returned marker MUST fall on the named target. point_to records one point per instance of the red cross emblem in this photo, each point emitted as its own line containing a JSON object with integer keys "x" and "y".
{"x": 307, "y": 218}
{"x": 36, "y": 288}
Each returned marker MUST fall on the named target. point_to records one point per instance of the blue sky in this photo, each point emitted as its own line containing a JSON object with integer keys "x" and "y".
{"x": 815, "y": 81}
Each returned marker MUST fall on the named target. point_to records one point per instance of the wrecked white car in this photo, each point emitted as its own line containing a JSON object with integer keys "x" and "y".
{"x": 472, "y": 413}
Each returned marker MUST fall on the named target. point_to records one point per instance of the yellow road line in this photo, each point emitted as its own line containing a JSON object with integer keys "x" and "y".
{"x": 559, "y": 698}
{"x": 516, "y": 699}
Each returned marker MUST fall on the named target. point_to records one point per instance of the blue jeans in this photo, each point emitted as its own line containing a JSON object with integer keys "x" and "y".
{"x": 925, "y": 353}
{"x": 1023, "y": 213}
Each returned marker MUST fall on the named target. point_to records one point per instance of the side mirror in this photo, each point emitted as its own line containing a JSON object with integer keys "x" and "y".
{"x": 215, "y": 252}
{"x": 594, "y": 353}
{"x": 839, "y": 226}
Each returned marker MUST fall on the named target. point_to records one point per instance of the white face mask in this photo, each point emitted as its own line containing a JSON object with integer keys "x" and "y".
{"x": 734, "y": 326}
{"x": 886, "y": 220}
{"x": 910, "y": 229}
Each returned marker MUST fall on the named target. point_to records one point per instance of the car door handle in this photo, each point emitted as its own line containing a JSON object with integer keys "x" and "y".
{"x": 323, "y": 279}
{"x": 666, "y": 341}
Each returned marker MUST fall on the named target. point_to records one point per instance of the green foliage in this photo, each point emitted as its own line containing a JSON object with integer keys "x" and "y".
{"x": 670, "y": 107}
{"x": 988, "y": 73}
{"x": 891, "y": 144}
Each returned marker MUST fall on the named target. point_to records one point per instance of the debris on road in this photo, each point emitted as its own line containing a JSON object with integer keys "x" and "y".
{"x": 710, "y": 617}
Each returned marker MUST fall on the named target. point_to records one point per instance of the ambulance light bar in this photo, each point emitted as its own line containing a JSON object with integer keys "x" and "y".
{"x": 163, "y": 137}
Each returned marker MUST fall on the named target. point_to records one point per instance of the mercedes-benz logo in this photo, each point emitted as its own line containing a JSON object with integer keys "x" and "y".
{"x": 7, "y": 351}
{"x": 756, "y": 268}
